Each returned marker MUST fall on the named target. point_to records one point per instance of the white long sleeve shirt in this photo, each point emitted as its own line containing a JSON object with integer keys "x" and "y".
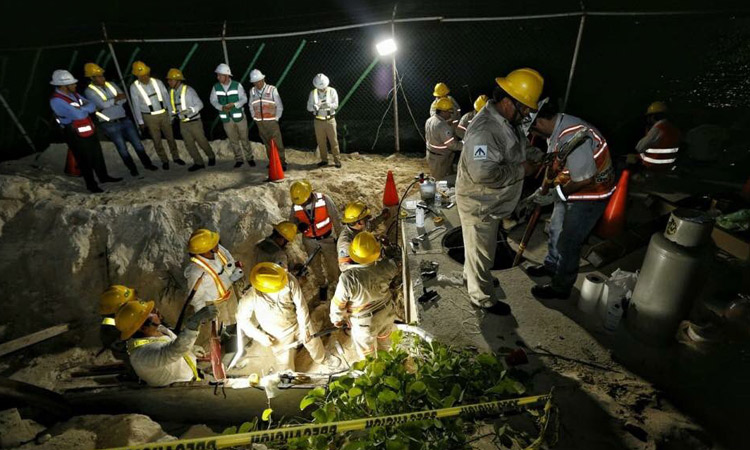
{"x": 327, "y": 104}
{"x": 161, "y": 361}
{"x": 140, "y": 106}
{"x": 238, "y": 104}
{"x": 208, "y": 290}
{"x": 193, "y": 104}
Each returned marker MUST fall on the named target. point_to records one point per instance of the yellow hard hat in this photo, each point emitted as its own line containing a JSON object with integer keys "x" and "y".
{"x": 443, "y": 104}
{"x": 480, "y": 102}
{"x": 364, "y": 249}
{"x": 268, "y": 277}
{"x": 286, "y": 229}
{"x": 140, "y": 68}
{"x": 132, "y": 316}
{"x": 175, "y": 74}
{"x": 441, "y": 90}
{"x": 355, "y": 211}
{"x": 524, "y": 85}
{"x": 92, "y": 70}
{"x": 202, "y": 241}
{"x": 114, "y": 297}
{"x": 300, "y": 191}
{"x": 656, "y": 108}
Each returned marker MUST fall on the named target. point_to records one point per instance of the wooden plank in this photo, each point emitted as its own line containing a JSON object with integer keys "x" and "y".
{"x": 33, "y": 338}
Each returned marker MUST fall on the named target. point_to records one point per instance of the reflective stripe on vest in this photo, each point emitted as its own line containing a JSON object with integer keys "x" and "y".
{"x": 604, "y": 180}
{"x": 135, "y": 343}
{"x": 316, "y": 102}
{"x": 108, "y": 321}
{"x": 321, "y": 222}
{"x": 664, "y": 152}
{"x": 264, "y": 107}
{"x": 223, "y": 292}
{"x": 146, "y": 98}
{"x": 83, "y": 127}
{"x": 183, "y": 103}
{"x": 227, "y": 97}
{"x": 101, "y": 93}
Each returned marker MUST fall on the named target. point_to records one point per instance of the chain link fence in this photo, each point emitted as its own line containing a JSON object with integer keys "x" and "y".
{"x": 623, "y": 61}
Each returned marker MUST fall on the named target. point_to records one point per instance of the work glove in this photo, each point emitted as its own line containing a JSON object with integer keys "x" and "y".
{"x": 264, "y": 339}
{"x": 543, "y": 199}
{"x": 392, "y": 251}
{"x": 237, "y": 275}
{"x": 205, "y": 314}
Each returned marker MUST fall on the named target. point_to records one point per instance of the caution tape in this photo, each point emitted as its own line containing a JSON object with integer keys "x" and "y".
{"x": 308, "y": 430}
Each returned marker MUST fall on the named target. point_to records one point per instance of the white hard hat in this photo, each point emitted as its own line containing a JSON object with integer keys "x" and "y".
{"x": 223, "y": 69}
{"x": 320, "y": 81}
{"x": 62, "y": 78}
{"x": 256, "y": 75}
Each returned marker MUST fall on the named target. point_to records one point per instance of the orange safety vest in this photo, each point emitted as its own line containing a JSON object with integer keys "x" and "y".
{"x": 83, "y": 127}
{"x": 224, "y": 293}
{"x": 321, "y": 224}
{"x": 264, "y": 107}
{"x": 604, "y": 180}
{"x": 663, "y": 154}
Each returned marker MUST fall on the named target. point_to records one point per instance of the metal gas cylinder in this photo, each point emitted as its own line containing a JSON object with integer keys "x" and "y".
{"x": 670, "y": 278}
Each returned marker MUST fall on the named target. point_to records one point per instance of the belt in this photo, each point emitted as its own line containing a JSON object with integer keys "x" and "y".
{"x": 372, "y": 312}
{"x": 433, "y": 153}
{"x": 113, "y": 120}
{"x": 317, "y": 238}
{"x": 325, "y": 119}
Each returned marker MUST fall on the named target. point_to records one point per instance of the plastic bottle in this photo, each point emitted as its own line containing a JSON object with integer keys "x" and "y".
{"x": 420, "y": 217}
{"x": 614, "y": 315}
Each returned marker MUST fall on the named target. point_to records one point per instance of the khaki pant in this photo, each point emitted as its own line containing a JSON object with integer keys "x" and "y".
{"x": 370, "y": 334}
{"x": 326, "y": 260}
{"x": 285, "y": 356}
{"x": 480, "y": 243}
{"x": 192, "y": 132}
{"x": 269, "y": 129}
{"x": 441, "y": 166}
{"x": 238, "y": 139}
{"x": 157, "y": 125}
{"x": 325, "y": 132}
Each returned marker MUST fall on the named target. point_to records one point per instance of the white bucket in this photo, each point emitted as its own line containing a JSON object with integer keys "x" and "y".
{"x": 591, "y": 291}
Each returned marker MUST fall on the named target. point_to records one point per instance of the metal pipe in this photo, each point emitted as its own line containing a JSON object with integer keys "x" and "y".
{"x": 574, "y": 61}
{"x": 252, "y": 63}
{"x": 395, "y": 84}
{"x": 73, "y": 59}
{"x": 18, "y": 124}
{"x": 291, "y": 62}
{"x": 224, "y": 43}
{"x": 358, "y": 82}
{"x": 189, "y": 56}
{"x": 125, "y": 89}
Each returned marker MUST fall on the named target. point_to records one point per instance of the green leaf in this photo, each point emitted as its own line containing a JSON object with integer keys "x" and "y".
{"x": 456, "y": 390}
{"x": 377, "y": 368}
{"x": 396, "y": 337}
{"x": 359, "y": 365}
{"x": 307, "y": 400}
{"x": 320, "y": 416}
{"x": 370, "y": 401}
{"x": 355, "y": 392}
{"x": 395, "y": 444}
{"x": 267, "y": 414}
{"x": 486, "y": 359}
{"x": 318, "y": 392}
{"x": 417, "y": 387}
{"x": 354, "y": 445}
{"x": 247, "y": 427}
{"x": 392, "y": 382}
{"x": 230, "y": 430}
{"x": 449, "y": 401}
{"x": 387, "y": 397}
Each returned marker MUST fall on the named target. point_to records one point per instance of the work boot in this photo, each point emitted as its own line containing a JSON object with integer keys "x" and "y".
{"x": 548, "y": 292}
{"x": 251, "y": 162}
{"x": 195, "y": 167}
{"x": 179, "y": 162}
{"x": 94, "y": 189}
{"x": 238, "y": 164}
{"x": 165, "y": 166}
{"x": 110, "y": 179}
{"x": 150, "y": 167}
{"x": 134, "y": 172}
{"x": 283, "y": 166}
{"x": 541, "y": 270}
{"x": 212, "y": 161}
{"x": 322, "y": 163}
{"x": 338, "y": 165}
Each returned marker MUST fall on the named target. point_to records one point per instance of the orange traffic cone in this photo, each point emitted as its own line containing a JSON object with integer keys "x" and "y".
{"x": 612, "y": 222}
{"x": 71, "y": 166}
{"x": 390, "y": 196}
{"x": 275, "y": 171}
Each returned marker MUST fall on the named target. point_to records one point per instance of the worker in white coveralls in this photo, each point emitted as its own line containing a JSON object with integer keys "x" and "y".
{"x": 274, "y": 314}
{"x": 185, "y": 105}
{"x": 323, "y": 102}
{"x": 441, "y": 90}
{"x": 441, "y": 141}
{"x": 357, "y": 218}
{"x": 490, "y": 178}
{"x": 273, "y": 248}
{"x": 318, "y": 220}
{"x": 266, "y": 109}
{"x": 158, "y": 356}
{"x": 363, "y": 296}
{"x": 466, "y": 119}
{"x": 212, "y": 272}
{"x": 229, "y": 98}
{"x": 580, "y": 194}
{"x": 110, "y": 113}
{"x": 150, "y": 103}
{"x": 110, "y": 301}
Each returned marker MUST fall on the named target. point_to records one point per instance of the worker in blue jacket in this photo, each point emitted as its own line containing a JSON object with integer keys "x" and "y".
{"x": 72, "y": 113}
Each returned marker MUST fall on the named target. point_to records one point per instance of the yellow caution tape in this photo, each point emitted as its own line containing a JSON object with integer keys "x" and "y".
{"x": 308, "y": 430}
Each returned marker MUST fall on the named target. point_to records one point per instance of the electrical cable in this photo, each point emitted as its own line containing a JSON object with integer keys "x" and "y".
{"x": 382, "y": 119}
{"x": 408, "y": 107}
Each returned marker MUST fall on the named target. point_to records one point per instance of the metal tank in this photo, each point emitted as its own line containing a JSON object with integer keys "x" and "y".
{"x": 670, "y": 277}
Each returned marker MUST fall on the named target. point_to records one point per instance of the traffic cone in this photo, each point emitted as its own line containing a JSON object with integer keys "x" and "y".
{"x": 390, "y": 196}
{"x": 275, "y": 171}
{"x": 612, "y": 222}
{"x": 71, "y": 166}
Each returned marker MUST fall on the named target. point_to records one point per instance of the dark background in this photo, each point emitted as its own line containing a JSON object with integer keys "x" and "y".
{"x": 698, "y": 63}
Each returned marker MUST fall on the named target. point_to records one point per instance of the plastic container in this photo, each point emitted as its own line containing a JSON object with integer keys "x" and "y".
{"x": 614, "y": 315}
{"x": 427, "y": 191}
{"x": 420, "y": 216}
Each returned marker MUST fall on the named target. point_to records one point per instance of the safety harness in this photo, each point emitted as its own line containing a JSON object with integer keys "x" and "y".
{"x": 328, "y": 101}
{"x": 148, "y": 101}
{"x": 224, "y": 293}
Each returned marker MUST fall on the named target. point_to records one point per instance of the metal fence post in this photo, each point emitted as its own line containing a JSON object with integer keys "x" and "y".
{"x": 574, "y": 61}
{"x": 125, "y": 89}
{"x": 395, "y": 84}
{"x": 224, "y": 43}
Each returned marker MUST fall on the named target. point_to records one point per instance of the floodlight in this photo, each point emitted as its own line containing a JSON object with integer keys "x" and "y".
{"x": 386, "y": 47}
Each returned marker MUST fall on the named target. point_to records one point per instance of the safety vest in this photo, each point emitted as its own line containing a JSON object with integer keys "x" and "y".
{"x": 604, "y": 180}
{"x": 104, "y": 97}
{"x": 110, "y": 321}
{"x": 663, "y": 153}
{"x": 83, "y": 127}
{"x": 147, "y": 99}
{"x": 224, "y": 293}
{"x": 135, "y": 343}
{"x": 317, "y": 103}
{"x": 264, "y": 107}
{"x": 227, "y": 97}
{"x": 181, "y": 103}
{"x": 321, "y": 224}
